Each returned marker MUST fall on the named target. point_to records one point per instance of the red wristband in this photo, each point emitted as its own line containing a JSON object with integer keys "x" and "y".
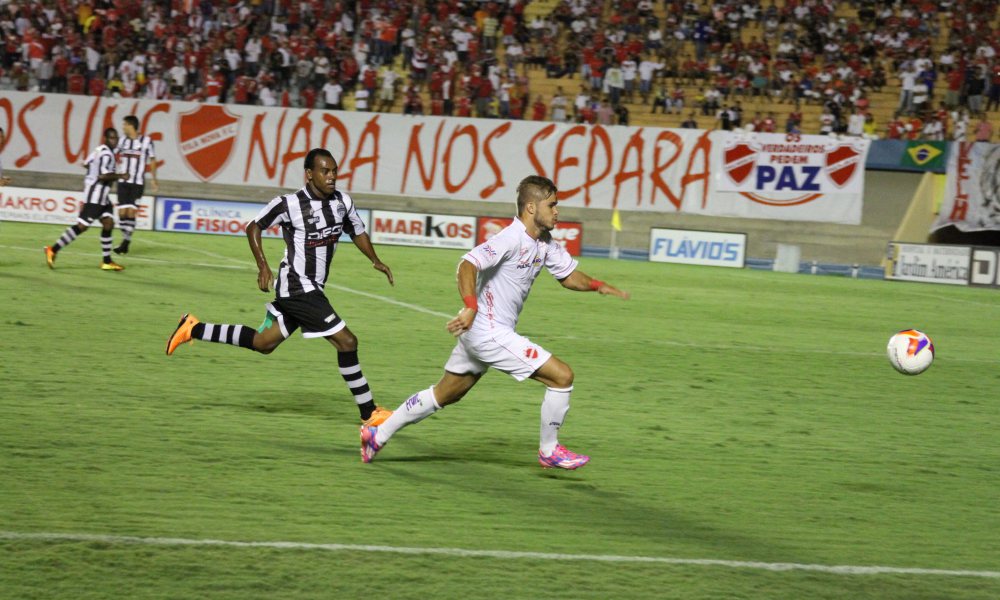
{"x": 470, "y": 302}
{"x": 595, "y": 284}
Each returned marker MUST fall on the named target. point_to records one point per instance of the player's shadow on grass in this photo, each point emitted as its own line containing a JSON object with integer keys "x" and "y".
{"x": 582, "y": 496}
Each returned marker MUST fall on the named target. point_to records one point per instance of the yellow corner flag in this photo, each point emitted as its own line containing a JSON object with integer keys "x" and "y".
{"x": 616, "y": 220}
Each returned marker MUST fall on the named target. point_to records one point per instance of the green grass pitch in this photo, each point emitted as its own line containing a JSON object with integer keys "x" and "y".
{"x": 732, "y": 415}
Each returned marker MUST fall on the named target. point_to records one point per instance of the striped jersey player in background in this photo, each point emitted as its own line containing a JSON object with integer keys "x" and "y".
{"x": 494, "y": 280}
{"x": 100, "y": 165}
{"x": 135, "y": 152}
{"x": 312, "y": 221}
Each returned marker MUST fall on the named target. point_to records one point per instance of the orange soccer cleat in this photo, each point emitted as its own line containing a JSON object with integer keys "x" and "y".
{"x": 182, "y": 334}
{"x": 50, "y": 257}
{"x": 379, "y": 415}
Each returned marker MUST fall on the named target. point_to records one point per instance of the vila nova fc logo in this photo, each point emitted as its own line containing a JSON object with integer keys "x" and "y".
{"x": 206, "y": 137}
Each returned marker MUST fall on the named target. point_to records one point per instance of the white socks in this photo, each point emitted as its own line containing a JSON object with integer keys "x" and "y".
{"x": 554, "y": 409}
{"x": 417, "y": 407}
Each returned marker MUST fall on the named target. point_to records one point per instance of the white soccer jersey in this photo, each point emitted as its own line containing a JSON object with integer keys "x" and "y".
{"x": 508, "y": 265}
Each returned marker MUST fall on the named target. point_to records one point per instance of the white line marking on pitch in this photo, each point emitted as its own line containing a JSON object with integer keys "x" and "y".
{"x": 499, "y": 554}
{"x": 249, "y": 268}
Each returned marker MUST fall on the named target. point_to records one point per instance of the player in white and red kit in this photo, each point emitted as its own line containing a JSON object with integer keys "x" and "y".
{"x": 494, "y": 280}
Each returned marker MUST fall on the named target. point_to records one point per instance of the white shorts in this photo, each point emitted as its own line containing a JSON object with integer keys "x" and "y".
{"x": 506, "y": 351}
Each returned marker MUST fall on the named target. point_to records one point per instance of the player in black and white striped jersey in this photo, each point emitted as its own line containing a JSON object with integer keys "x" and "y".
{"x": 135, "y": 152}
{"x": 100, "y": 165}
{"x": 312, "y": 220}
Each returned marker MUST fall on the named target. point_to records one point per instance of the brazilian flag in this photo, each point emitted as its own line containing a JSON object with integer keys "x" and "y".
{"x": 928, "y": 156}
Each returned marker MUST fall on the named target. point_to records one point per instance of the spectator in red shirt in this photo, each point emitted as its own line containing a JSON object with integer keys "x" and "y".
{"x": 437, "y": 105}
{"x": 308, "y": 97}
{"x": 538, "y": 109}
{"x": 75, "y": 83}
{"x": 213, "y": 86}
{"x": 241, "y": 90}
{"x": 95, "y": 87}
{"x": 463, "y": 107}
{"x": 516, "y": 110}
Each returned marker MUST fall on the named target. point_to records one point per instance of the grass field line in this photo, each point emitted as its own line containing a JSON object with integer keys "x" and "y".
{"x": 198, "y": 250}
{"x": 413, "y": 307}
{"x": 497, "y": 554}
{"x": 158, "y": 261}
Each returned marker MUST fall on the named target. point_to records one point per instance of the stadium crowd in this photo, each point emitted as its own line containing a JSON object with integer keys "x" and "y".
{"x": 706, "y": 61}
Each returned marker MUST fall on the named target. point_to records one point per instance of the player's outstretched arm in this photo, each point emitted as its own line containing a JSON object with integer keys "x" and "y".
{"x": 581, "y": 282}
{"x": 467, "y": 290}
{"x": 264, "y": 275}
{"x": 364, "y": 244}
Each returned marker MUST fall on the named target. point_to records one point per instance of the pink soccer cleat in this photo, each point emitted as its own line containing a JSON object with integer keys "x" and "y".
{"x": 369, "y": 447}
{"x": 563, "y": 459}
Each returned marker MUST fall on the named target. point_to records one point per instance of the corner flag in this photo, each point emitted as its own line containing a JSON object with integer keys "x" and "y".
{"x": 616, "y": 220}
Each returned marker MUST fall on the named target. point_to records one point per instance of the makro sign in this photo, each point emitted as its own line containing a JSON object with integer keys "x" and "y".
{"x": 569, "y": 234}
{"x": 684, "y": 246}
{"x": 424, "y": 230}
{"x": 928, "y": 263}
{"x": 60, "y": 207}
{"x": 218, "y": 217}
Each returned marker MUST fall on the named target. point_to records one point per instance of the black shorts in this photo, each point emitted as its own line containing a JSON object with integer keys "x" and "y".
{"x": 310, "y": 311}
{"x": 129, "y": 194}
{"x": 91, "y": 211}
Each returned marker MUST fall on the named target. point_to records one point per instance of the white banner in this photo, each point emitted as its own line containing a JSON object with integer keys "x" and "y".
{"x": 633, "y": 168}
{"x": 928, "y": 263}
{"x": 972, "y": 188}
{"x": 792, "y": 165}
{"x": 419, "y": 229}
{"x": 58, "y": 206}
{"x": 691, "y": 247}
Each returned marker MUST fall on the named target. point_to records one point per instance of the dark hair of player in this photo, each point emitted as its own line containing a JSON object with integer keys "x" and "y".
{"x": 533, "y": 188}
{"x": 311, "y": 157}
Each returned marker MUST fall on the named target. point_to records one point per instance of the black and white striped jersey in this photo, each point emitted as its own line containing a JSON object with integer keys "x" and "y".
{"x": 100, "y": 162}
{"x": 134, "y": 156}
{"x": 311, "y": 227}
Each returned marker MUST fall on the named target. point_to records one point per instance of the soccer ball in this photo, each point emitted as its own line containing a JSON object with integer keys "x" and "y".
{"x": 910, "y": 352}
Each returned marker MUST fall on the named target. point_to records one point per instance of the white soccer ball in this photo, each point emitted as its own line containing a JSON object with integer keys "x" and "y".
{"x": 910, "y": 352}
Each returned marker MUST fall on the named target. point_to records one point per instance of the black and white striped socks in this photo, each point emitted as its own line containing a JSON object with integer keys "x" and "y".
{"x": 67, "y": 237}
{"x": 235, "y": 335}
{"x": 350, "y": 370}
{"x": 127, "y": 226}
{"x": 106, "y": 243}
